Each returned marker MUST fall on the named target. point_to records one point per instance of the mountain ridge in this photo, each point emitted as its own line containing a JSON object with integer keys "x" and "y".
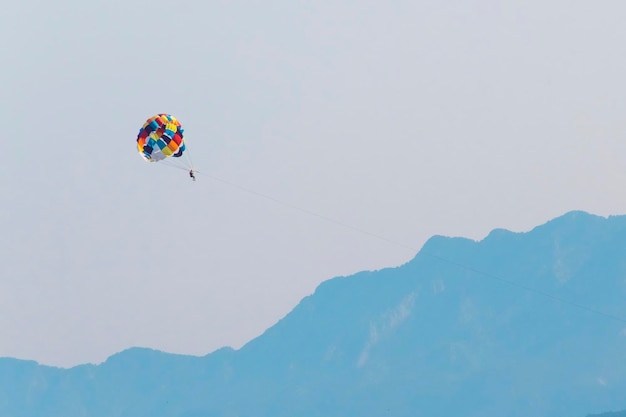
{"x": 465, "y": 327}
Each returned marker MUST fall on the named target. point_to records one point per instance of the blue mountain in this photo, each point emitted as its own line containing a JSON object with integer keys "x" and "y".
{"x": 517, "y": 324}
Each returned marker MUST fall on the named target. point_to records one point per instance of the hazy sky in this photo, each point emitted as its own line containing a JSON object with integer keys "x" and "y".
{"x": 403, "y": 118}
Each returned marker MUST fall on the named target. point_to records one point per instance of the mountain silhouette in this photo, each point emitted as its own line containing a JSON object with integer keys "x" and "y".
{"x": 517, "y": 324}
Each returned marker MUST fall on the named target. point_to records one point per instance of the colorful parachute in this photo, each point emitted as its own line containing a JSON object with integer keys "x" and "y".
{"x": 160, "y": 137}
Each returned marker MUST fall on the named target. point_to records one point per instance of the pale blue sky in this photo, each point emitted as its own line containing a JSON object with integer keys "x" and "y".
{"x": 402, "y": 118}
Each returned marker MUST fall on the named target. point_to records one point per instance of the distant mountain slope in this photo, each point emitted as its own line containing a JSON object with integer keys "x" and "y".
{"x": 518, "y": 324}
